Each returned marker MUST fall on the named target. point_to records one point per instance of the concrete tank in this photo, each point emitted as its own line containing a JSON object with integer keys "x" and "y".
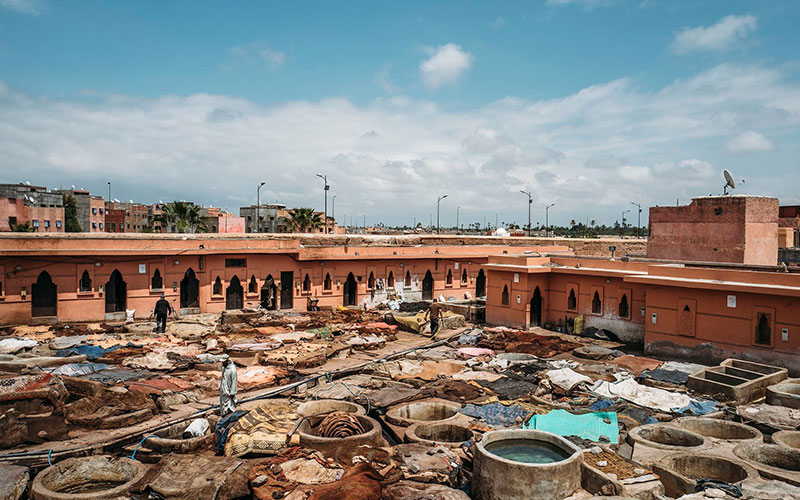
{"x": 88, "y": 478}
{"x": 557, "y": 474}
{"x": 322, "y": 406}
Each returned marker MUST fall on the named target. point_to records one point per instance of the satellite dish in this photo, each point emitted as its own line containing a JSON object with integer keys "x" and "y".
{"x": 729, "y": 182}
{"x": 73, "y": 186}
{"x": 28, "y": 182}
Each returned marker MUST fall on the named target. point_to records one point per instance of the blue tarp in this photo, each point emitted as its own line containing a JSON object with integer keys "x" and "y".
{"x": 91, "y": 351}
{"x": 496, "y": 413}
{"x": 590, "y": 426}
{"x": 699, "y": 407}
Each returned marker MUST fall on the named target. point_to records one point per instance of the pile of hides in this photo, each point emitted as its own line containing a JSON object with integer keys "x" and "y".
{"x": 426, "y": 464}
{"x": 189, "y": 477}
{"x": 39, "y": 386}
{"x": 339, "y": 424}
{"x": 110, "y": 410}
{"x": 281, "y": 474}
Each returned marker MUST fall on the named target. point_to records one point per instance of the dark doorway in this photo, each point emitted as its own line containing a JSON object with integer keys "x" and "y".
{"x": 350, "y": 291}
{"x": 624, "y": 310}
{"x": 44, "y": 299}
{"x": 763, "y": 330}
{"x": 480, "y": 284}
{"x": 116, "y": 293}
{"x": 287, "y": 279}
{"x": 427, "y": 286}
{"x": 190, "y": 290}
{"x": 234, "y": 294}
{"x": 269, "y": 294}
{"x": 597, "y": 306}
{"x": 536, "y": 308}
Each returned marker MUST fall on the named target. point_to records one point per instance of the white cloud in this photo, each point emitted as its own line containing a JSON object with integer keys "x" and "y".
{"x": 593, "y": 151}
{"x": 24, "y": 6}
{"x": 384, "y": 81}
{"x": 255, "y": 53}
{"x": 497, "y": 23}
{"x": 717, "y": 37}
{"x": 747, "y": 142}
{"x": 446, "y": 64}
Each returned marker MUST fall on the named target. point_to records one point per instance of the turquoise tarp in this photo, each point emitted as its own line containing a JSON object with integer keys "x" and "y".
{"x": 588, "y": 426}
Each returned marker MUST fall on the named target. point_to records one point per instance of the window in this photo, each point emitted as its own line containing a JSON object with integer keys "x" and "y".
{"x": 101, "y": 225}
{"x": 597, "y": 306}
{"x": 326, "y": 285}
{"x": 408, "y": 279}
{"x": 35, "y": 223}
{"x": 505, "y": 295}
{"x": 763, "y": 330}
{"x": 58, "y": 223}
{"x": 390, "y": 280}
{"x": 371, "y": 281}
{"x": 217, "y": 288}
{"x": 572, "y": 300}
{"x": 157, "y": 283}
{"x": 252, "y": 287}
{"x": 94, "y": 225}
{"x": 235, "y": 262}
{"x": 94, "y": 210}
{"x": 624, "y": 310}
{"x": 464, "y": 277}
{"x": 449, "y": 277}
{"x": 101, "y": 211}
{"x": 86, "y": 282}
{"x": 306, "y": 284}
{"x": 47, "y": 223}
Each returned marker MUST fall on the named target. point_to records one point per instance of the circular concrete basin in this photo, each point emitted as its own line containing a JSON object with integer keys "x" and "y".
{"x": 721, "y": 429}
{"x": 786, "y": 393}
{"x": 343, "y": 448}
{"x": 323, "y": 406}
{"x": 518, "y": 464}
{"x": 88, "y": 478}
{"x": 666, "y": 437}
{"x": 446, "y": 434}
{"x": 790, "y": 439}
{"x": 772, "y": 461}
{"x": 679, "y": 472}
{"x": 419, "y": 412}
{"x": 170, "y": 440}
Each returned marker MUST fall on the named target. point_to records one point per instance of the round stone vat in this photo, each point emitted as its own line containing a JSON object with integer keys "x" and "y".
{"x": 323, "y": 406}
{"x": 790, "y": 439}
{"x": 679, "y": 472}
{"x": 419, "y": 412}
{"x": 772, "y": 461}
{"x": 342, "y": 448}
{"x": 88, "y": 478}
{"x": 650, "y": 442}
{"x": 446, "y": 434}
{"x": 170, "y": 440}
{"x": 786, "y": 393}
{"x": 724, "y": 430}
{"x": 518, "y": 464}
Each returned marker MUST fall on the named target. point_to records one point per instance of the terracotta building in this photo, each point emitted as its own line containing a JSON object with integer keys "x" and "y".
{"x": 739, "y": 229}
{"x": 25, "y": 204}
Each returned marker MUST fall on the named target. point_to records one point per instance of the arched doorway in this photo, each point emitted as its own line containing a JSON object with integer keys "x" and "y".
{"x": 427, "y": 286}
{"x": 44, "y": 296}
{"x": 350, "y": 291}
{"x": 269, "y": 293}
{"x": 536, "y": 308}
{"x": 116, "y": 293}
{"x": 190, "y": 290}
{"x": 234, "y": 294}
{"x": 480, "y": 284}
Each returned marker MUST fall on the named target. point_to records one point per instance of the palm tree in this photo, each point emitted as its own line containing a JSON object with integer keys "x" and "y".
{"x": 25, "y": 227}
{"x": 302, "y": 220}
{"x": 184, "y": 217}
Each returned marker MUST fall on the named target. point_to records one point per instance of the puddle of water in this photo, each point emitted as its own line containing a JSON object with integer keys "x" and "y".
{"x": 527, "y": 451}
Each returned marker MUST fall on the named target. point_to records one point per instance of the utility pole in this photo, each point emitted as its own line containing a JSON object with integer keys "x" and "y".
{"x": 438, "y": 201}
{"x": 623, "y": 221}
{"x": 458, "y": 214}
{"x": 547, "y": 218}
{"x": 333, "y": 208}
{"x": 530, "y": 202}
{"x": 638, "y": 220}
{"x": 258, "y": 207}
{"x": 325, "y": 213}
{"x": 109, "y": 191}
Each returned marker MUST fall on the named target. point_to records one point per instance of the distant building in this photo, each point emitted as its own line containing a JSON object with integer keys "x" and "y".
{"x": 24, "y": 204}
{"x": 789, "y": 226}
{"x": 738, "y": 229}
{"x": 220, "y": 221}
{"x": 91, "y": 209}
{"x": 272, "y": 218}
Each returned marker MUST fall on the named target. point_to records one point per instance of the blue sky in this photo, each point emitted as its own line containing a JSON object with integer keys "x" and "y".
{"x": 590, "y": 104}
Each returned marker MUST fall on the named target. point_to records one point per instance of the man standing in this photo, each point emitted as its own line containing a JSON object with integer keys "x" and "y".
{"x": 227, "y": 387}
{"x": 435, "y": 313}
{"x": 163, "y": 309}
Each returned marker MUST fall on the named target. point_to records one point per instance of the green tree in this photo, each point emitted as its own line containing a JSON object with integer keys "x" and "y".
{"x": 71, "y": 224}
{"x": 25, "y": 227}
{"x": 185, "y": 217}
{"x": 302, "y": 220}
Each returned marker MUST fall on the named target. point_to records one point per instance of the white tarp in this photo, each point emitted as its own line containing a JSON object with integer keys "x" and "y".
{"x": 566, "y": 378}
{"x": 649, "y": 397}
{"x": 12, "y": 346}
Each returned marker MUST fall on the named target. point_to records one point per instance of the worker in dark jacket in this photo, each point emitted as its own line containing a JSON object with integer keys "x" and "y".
{"x": 162, "y": 310}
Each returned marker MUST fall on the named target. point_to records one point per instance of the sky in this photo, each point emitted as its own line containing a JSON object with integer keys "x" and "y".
{"x": 588, "y": 104}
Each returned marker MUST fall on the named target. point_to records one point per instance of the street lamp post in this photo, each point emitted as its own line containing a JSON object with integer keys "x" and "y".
{"x": 458, "y": 214}
{"x": 530, "y": 202}
{"x": 327, "y": 187}
{"x": 547, "y": 218}
{"x": 258, "y": 207}
{"x": 438, "y": 201}
{"x": 109, "y": 191}
{"x": 638, "y": 220}
{"x": 333, "y": 208}
{"x": 623, "y": 221}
